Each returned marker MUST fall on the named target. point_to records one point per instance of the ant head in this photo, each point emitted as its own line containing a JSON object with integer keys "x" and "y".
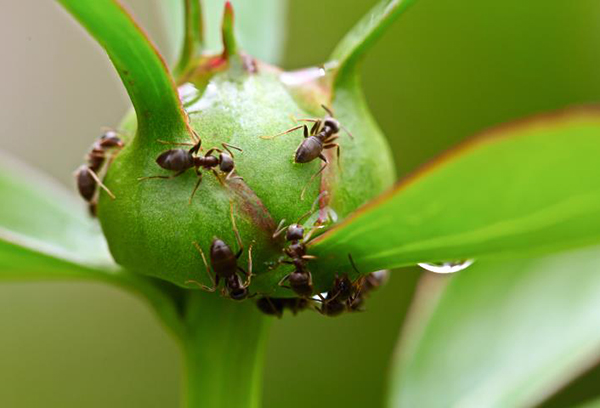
{"x": 333, "y": 124}
{"x": 110, "y": 139}
{"x": 294, "y": 232}
{"x": 226, "y": 164}
{"x": 240, "y": 293}
{"x": 219, "y": 249}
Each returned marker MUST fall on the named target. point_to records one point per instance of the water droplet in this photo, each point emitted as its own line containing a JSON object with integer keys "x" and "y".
{"x": 447, "y": 267}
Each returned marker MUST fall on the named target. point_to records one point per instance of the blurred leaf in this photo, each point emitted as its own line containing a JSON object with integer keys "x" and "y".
{"x": 532, "y": 187}
{"x": 584, "y": 388}
{"x": 46, "y": 234}
{"x": 38, "y": 214}
{"x": 364, "y": 34}
{"x": 140, "y": 66}
{"x": 590, "y": 404}
{"x": 260, "y": 27}
{"x": 500, "y": 335}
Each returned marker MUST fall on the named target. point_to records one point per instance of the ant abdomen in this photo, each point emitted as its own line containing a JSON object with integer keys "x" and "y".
{"x": 86, "y": 184}
{"x": 175, "y": 159}
{"x": 301, "y": 283}
{"x": 308, "y": 150}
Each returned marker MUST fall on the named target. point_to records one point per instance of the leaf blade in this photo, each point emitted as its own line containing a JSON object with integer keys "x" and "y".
{"x": 512, "y": 191}
{"x": 45, "y": 234}
{"x": 494, "y": 334}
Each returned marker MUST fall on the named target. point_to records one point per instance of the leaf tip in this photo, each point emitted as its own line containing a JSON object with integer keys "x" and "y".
{"x": 229, "y": 41}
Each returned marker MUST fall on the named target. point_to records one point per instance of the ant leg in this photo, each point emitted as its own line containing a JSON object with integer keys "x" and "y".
{"x": 228, "y": 177}
{"x": 313, "y": 177}
{"x": 282, "y": 133}
{"x": 196, "y": 186}
{"x": 196, "y": 139}
{"x": 249, "y": 272}
{"x": 179, "y": 173}
{"x": 277, "y": 312}
{"x": 337, "y": 146}
{"x": 316, "y": 127}
{"x": 97, "y": 180}
{"x": 226, "y": 146}
{"x": 353, "y": 264}
{"x": 210, "y": 151}
{"x": 214, "y": 281}
{"x": 283, "y": 280}
{"x": 175, "y": 143}
{"x": 235, "y": 230}
{"x": 218, "y": 177}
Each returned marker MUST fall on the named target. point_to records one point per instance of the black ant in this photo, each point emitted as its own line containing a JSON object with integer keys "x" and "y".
{"x": 224, "y": 264}
{"x": 276, "y": 306}
{"x": 87, "y": 174}
{"x": 321, "y": 137}
{"x": 300, "y": 279}
{"x": 345, "y": 295}
{"x": 181, "y": 160}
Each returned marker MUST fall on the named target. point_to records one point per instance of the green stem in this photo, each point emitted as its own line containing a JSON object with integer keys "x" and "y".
{"x": 141, "y": 68}
{"x": 223, "y": 352}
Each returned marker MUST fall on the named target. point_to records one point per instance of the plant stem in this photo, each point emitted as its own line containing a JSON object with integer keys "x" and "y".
{"x": 223, "y": 350}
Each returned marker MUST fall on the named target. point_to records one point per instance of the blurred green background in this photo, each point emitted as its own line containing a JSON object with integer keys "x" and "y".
{"x": 446, "y": 70}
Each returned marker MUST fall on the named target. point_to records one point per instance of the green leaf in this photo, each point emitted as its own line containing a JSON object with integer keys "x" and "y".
{"x": 193, "y": 33}
{"x": 500, "y": 334}
{"x": 531, "y": 187}
{"x": 363, "y": 35}
{"x": 140, "y": 66}
{"x": 38, "y": 214}
{"x": 260, "y": 27}
{"x": 46, "y": 234}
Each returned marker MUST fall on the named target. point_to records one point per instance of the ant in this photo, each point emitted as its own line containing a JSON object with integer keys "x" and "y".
{"x": 345, "y": 294}
{"x": 87, "y": 175}
{"x": 300, "y": 279}
{"x": 224, "y": 264}
{"x": 276, "y": 306}
{"x": 321, "y": 137}
{"x": 181, "y": 160}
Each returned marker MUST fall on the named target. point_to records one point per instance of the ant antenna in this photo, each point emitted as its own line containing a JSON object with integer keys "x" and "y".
{"x": 329, "y": 111}
{"x": 226, "y": 146}
{"x": 282, "y": 133}
{"x": 174, "y": 143}
{"x": 313, "y": 208}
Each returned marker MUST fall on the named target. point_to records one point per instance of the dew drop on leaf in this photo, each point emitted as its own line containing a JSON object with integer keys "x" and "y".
{"x": 447, "y": 267}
